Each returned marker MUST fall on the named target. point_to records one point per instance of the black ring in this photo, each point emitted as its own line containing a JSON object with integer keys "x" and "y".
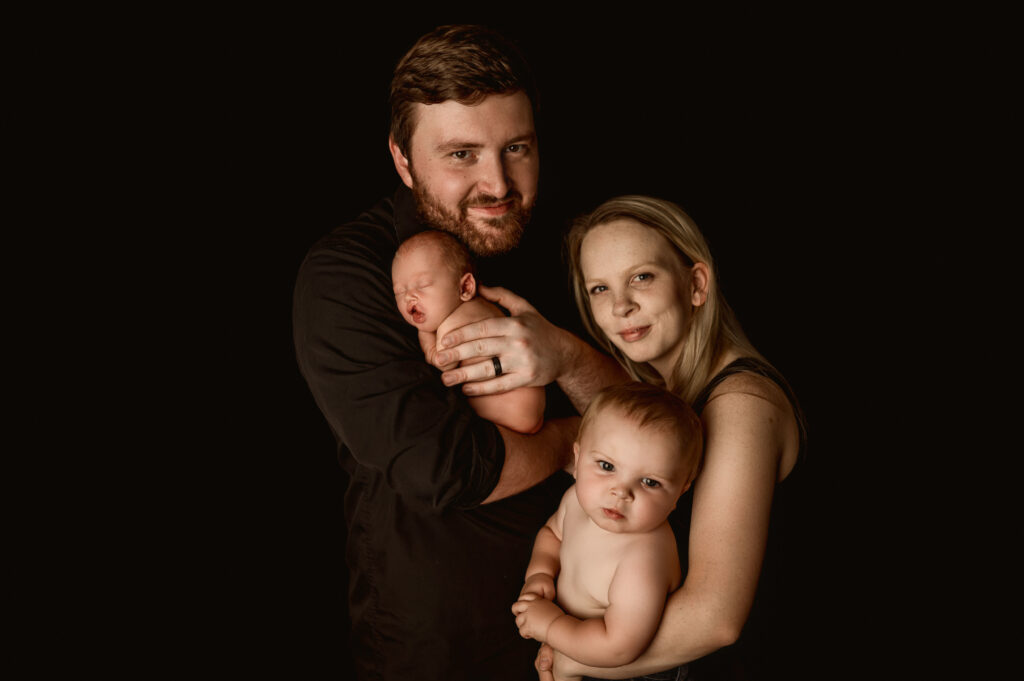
{"x": 497, "y": 365}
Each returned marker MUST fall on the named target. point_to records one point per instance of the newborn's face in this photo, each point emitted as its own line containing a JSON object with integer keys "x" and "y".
{"x": 426, "y": 288}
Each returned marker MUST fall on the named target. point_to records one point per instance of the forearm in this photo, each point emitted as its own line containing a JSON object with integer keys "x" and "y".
{"x": 530, "y": 459}
{"x": 590, "y": 642}
{"x": 546, "y": 557}
{"x": 585, "y": 371}
{"x": 689, "y": 630}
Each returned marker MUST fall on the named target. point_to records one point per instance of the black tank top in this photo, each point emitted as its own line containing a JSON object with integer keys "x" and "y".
{"x": 761, "y": 642}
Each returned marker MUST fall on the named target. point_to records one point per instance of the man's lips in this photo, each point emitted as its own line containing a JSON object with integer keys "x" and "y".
{"x": 612, "y": 514}
{"x": 634, "y": 333}
{"x": 493, "y": 210}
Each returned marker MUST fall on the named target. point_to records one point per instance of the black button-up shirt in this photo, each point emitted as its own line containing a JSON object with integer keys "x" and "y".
{"x": 433, "y": 574}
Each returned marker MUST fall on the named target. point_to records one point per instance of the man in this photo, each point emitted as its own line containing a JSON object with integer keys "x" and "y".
{"x": 442, "y": 506}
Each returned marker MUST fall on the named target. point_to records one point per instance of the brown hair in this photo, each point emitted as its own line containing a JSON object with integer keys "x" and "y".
{"x": 650, "y": 406}
{"x": 463, "y": 63}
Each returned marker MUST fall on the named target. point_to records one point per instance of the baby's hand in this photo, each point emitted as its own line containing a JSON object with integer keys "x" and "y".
{"x": 539, "y": 585}
{"x": 534, "y": 617}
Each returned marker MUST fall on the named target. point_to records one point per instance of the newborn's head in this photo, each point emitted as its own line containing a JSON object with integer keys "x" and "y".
{"x": 432, "y": 274}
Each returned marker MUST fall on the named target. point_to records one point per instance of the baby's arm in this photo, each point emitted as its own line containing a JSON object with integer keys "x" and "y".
{"x": 636, "y": 598}
{"x": 522, "y": 409}
{"x": 428, "y": 342}
{"x": 545, "y": 562}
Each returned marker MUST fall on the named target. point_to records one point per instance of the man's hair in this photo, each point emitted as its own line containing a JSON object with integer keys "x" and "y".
{"x": 462, "y": 63}
{"x": 650, "y": 406}
{"x": 453, "y": 252}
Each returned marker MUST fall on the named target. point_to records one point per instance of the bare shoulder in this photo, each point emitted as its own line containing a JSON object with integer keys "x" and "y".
{"x": 471, "y": 311}
{"x": 752, "y": 411}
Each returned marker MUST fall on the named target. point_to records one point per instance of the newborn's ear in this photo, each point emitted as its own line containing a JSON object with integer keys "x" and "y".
{"x": 467, "y": 286}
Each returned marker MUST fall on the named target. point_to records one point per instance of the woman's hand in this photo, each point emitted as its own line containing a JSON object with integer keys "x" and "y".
{"x": 531, "y": 350}
{"x": 550, "y": 669}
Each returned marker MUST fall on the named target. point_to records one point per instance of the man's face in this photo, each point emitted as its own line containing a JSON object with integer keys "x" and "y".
{"x": 474, "y": 169}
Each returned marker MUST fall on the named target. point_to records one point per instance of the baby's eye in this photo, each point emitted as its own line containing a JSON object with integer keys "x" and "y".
{"x": 605, "y": 466}
{"x": 647, "y": 482}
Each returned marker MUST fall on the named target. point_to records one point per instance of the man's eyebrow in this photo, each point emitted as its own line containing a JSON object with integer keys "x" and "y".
{"x": 456, "y": 145}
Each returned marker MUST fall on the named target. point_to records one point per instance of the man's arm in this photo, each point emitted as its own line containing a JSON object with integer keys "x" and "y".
{"x": 530, "y": 459}
{"x": 532, "y": 351}
{"x": 364, "y": 366}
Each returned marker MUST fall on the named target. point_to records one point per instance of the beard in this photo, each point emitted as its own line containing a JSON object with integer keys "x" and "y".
{"x": 500, "y": 235}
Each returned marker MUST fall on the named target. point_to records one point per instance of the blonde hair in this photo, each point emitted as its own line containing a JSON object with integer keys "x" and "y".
{"x": 714, "y": 327}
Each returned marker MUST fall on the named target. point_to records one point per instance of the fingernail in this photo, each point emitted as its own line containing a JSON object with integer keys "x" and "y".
{"x": 442, "y": 358}
{"x": 447, "y": 379}
{"x": 446, "y": 342}
{"x": 469, "y": 390}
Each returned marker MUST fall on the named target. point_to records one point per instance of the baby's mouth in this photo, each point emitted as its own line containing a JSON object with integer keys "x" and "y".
{"x": 418, "y": 315}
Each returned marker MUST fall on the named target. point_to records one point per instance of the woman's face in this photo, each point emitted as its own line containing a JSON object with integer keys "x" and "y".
{"x": 641, "y": 292}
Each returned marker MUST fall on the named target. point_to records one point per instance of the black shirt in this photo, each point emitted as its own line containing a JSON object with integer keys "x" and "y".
{"x": 433, "y": 574}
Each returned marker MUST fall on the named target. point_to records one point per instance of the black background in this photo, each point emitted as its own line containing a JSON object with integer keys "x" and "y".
{"x": 830, "y": 161}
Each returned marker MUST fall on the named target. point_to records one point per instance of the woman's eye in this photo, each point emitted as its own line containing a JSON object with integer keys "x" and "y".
{"x": 605, "y": 466}
{"x": 647, "y": 482}
{"x": 598, "y": 289}
{"x": 643, "y": 276}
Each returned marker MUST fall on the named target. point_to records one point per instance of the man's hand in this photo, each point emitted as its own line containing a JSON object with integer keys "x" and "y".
{"x": 534, "y": 616}
{"x": 532, "y": 351}
{"x": 540, "y": 585}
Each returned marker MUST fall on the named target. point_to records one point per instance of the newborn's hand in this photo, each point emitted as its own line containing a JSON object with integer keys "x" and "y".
{"x": 534, "y": 617}
{"x": 538, "y": 585}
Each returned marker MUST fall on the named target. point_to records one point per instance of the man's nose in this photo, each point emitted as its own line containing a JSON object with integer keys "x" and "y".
{"x": 493, "y": 179}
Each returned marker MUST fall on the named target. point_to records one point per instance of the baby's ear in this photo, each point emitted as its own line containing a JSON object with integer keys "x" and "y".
{"x": 467, "y": 286}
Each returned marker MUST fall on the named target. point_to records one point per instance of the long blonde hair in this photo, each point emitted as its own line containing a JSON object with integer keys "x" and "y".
{"x": 714, "y": 327}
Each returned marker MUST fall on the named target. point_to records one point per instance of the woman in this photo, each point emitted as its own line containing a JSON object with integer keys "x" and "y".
{"x": 646, "y": 287}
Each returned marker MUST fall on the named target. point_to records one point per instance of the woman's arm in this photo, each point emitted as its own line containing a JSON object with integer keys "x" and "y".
{"x": 746, "y": 435}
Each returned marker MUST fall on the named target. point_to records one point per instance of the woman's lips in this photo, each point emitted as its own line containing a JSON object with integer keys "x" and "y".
{"x": 633, "y": 334}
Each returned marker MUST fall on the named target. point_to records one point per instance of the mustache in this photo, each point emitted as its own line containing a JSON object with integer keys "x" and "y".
{"x": 490, "y": 200}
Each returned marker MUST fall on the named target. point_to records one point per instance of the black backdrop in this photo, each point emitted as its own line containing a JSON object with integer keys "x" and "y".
{"x": 810, "y": 150}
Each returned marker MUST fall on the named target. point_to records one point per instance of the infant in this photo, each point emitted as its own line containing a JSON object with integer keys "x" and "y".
{"x": 435, "y": 290}
{"x": 609, "y": 544}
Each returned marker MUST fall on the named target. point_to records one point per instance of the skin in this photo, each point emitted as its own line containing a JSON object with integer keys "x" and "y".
{"x": 612, "y": 544}
{"x": 751, "y": 443}
{"x": 433, "y": 297}
{"x": 486, "y": 154}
